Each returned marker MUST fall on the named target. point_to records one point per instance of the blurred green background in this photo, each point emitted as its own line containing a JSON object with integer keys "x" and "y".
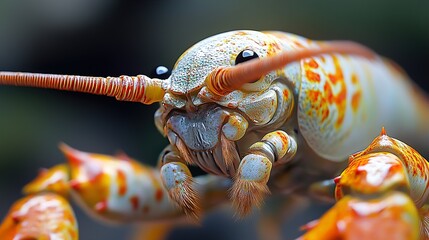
{"x": 112, "y": 37}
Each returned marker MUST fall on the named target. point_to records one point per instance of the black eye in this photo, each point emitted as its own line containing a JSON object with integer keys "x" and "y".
{"x": 245, "y": 55}
{"x": 160, "y": 72}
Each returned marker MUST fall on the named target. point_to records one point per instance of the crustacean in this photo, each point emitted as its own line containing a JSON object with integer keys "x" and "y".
{"x": 254, "y": 105}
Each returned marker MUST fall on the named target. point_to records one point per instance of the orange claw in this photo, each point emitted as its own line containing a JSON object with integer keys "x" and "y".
{"x": 379, "y": 192}
{"x": 42, "y": 216}
{"x": 123, "y": 190}
{"x": 119, "y": 189}
{"x": 372, "y": 173}
{"x": 392, "y": 216}
{"x": 116, "y": 190}
{"x": 54, "y": 179}
{"x": 404, "y": 169}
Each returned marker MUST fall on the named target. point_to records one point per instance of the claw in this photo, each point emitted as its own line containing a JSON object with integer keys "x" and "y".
{"x": 378, "y": 195}
{"x": 393, "y": 216}
{"x": 115, "y": 190}
{"x": 54, "y": 180}
{"x": 40, "y": 216}
{"x": 250, "y": 187}
{"x": 120, "y": 189}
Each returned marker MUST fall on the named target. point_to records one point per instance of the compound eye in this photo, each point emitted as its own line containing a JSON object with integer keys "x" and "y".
{"x": 160, "y": 72}
{"x": 245, "y": 55}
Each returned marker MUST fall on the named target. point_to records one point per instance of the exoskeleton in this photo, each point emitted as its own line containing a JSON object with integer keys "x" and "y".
{"x": 383, "y": 193}
{"x": 113, "y": 189}
{"x": 239, "y": 103}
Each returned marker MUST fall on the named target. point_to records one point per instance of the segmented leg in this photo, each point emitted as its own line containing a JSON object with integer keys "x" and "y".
{"x": 250, "y": 185}
{"x": 178, "y": 181}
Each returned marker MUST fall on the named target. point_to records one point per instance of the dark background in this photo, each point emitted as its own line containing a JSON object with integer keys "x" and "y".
{"x": 112, "y": 37}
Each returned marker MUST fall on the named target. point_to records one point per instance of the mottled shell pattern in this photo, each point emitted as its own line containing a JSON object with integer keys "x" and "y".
{"x": 338, "y": 109}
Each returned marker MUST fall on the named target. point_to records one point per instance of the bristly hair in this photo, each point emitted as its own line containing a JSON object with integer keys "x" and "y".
{"x": 181, "y": 146}
{"x": 187, "y": 198}
{"x": 246, "y": 194}
{"x": 229, "y": 153}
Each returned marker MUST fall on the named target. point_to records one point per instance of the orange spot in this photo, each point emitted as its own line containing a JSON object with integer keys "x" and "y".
{"x": 283, "y": 137}
{"x": 134, "y": 200}
{"x": 340, "y": 119}
{"x": 332, "y": 78}
{"x": 356, "y": 98}
{"x": 298, "y": 44}
{"x": 321, "y": 101}
{"x": 312, "y": 63}
{"x": 325, "y": 114}
{"x": 122, "y": 182}
{"x": 241, "y": 33}
{"x": 286, "y": 94}
{"x": 312, "y": 76}
{"x": 340, "y": 99}
{"x": 155, "y": 182}
{"x": 328, "y": 93}
{"x": 313, "y": 95}
{"x": 75, "y": 184}
{"x": 319, "y": 104}
{"x": 159, "y": 195}
{"x": 273, "y": 47}
{"x": 354, "y": 79}
{"x": 355, "y": 101}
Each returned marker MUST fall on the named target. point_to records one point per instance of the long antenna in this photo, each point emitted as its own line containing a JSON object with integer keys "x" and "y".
{"x": 224, "y": 80}
{"x": 136, "y": 89}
